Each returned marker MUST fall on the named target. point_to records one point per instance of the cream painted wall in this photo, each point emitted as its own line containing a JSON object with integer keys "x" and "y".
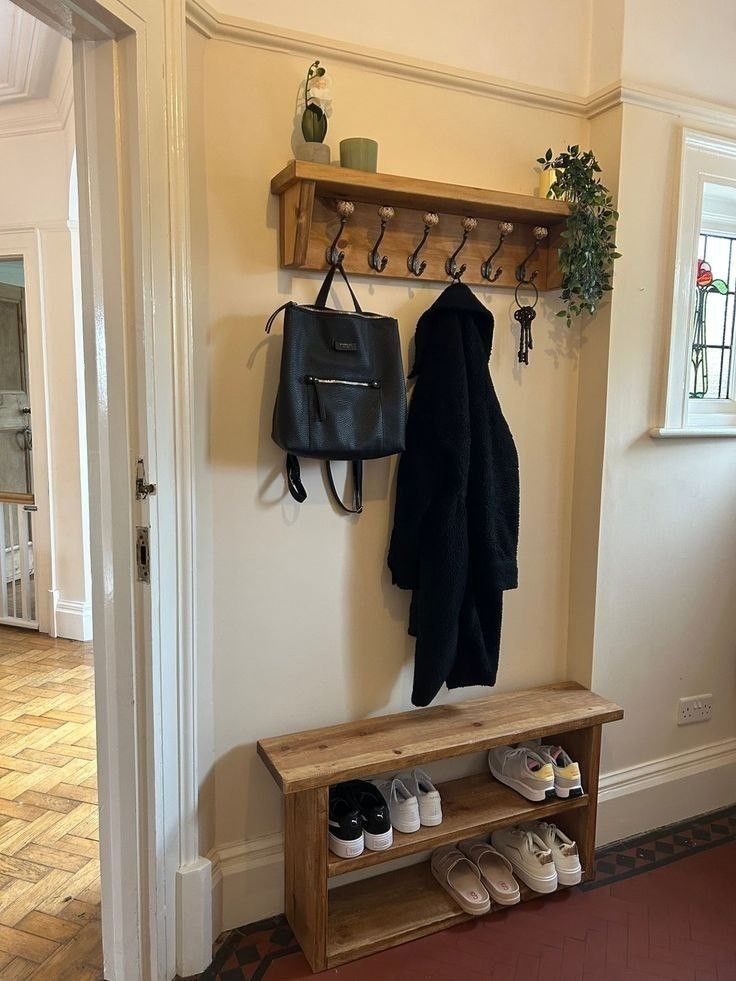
{"x": 306, "y": 628}
{"x": 542, "y": 46}
{"x": 624, "y": 546}
{"x": 681, "y": 46}
{"x": 665, "y": 620}
{"x": 35, "y": 194}
{"x": 605, "y": 44}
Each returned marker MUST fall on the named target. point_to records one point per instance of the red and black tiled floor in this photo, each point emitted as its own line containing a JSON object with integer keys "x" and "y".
{"x": 662, "y": 906}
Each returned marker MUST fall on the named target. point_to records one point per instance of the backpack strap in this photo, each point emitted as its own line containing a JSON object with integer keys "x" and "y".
{"x": 294, "y": 478}
{"x": 321, "y": 300}
{"x": 274, "y": 315}
{"x": 357, "y": 507}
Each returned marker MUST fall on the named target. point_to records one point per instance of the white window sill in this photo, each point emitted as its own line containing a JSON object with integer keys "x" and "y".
{"x": 690, "y": 432}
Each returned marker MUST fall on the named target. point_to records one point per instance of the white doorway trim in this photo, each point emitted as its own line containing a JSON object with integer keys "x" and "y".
{"x": 129, "y": 63}
{"x": 24, "y": 242}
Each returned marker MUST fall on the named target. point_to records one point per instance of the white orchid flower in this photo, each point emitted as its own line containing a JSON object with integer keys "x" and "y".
{"x": 319, "y": 90}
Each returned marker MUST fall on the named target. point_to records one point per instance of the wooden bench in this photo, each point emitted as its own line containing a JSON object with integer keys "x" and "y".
{"x": 337, "y": 925}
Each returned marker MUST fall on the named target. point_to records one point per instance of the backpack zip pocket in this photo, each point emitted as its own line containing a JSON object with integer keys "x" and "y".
{"x": 313, "y": 380}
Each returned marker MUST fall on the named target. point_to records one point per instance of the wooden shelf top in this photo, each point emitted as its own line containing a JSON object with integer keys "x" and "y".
{"x": 415, "y": 193}
{"x": 470, "y": 806}
{"x": 320, "y": 757}
{"x": 386, "y": 910}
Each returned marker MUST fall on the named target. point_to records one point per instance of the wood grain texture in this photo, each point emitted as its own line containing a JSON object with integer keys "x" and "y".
{"x": 308, "y": 222}
{"x": 49, "y": 858}
{"x": 319, "y": 757}
{"x": 402, "y": 236}
{"x": 412, "y": 192}
{"x": 372, "y": 914}
{"x": 305, "y": 871}
{"x": 585, "y": 747}
{"x": 471, "y": 806}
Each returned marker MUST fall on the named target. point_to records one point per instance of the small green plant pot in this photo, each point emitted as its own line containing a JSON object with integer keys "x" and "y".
{"x": 313, "y": 152}
{"x": 359, "y": 153}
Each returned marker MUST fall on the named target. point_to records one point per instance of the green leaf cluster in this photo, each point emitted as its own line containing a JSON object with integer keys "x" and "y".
{"x": 314, "y": 124}
{"x": 588, "y": 246}
{"x": 314, "y": 120}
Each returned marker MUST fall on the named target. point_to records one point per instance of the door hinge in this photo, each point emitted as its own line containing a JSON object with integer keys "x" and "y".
{"x": 142, "y": 554}
{"x": 142, "y": 488}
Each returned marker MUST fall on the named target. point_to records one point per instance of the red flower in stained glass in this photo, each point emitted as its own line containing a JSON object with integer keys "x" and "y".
{"x": 705, "y": 276}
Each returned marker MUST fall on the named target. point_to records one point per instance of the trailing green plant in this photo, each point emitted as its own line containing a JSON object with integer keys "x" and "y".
{"x": 588, "y": 248}
{"x": 317, "y": 103}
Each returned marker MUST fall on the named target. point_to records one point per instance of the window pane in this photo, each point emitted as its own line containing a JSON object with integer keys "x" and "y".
{"x": 714, "y": 286}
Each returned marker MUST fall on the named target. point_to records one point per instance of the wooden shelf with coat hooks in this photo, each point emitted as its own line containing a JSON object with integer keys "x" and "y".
{"x": 309, "y": 195}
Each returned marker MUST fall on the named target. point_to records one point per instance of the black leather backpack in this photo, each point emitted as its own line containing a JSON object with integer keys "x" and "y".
{"x": 342, "y": 394}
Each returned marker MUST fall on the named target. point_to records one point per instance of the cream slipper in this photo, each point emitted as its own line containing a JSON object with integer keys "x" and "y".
{"x": 495, "y": 871}
{"x": 461, "y": 879}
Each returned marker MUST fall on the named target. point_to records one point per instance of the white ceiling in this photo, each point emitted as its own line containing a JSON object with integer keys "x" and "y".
{"x": 28, "y": 54}
{"x": 35, "y": 74}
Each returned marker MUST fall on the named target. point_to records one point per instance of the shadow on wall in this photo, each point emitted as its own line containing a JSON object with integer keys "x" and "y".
{"x": 372, "y": 662}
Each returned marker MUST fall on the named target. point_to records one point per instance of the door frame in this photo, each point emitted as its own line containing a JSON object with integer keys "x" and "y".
{"x": 24, "y": 242}
{"x": 130, "y": 105}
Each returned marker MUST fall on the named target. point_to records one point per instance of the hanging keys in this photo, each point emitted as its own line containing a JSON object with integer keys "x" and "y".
{"x": 524, "y": 315}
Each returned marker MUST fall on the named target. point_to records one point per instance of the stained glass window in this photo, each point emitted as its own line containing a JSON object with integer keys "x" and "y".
{"x": 715, "y": 318}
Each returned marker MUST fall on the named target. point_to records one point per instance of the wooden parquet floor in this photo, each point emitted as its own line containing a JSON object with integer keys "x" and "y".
{"x": 49, "y": 840}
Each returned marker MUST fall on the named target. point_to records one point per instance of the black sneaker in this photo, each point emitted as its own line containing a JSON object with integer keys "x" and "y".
{"x": 345, "y": 823}
{"x": 374, "y": 814}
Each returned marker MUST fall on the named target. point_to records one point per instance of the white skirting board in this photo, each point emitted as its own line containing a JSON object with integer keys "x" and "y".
{"x": 74, "y": 620}
{"x": 666, "y": 790}
{"x": 247, "y": 881}
{"x": 248, "y": 875}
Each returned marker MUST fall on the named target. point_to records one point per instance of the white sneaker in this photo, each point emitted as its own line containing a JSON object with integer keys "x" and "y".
{"x": 430, "y": 802}
{"x": 402, "y": 804}
{"x": 564, "y": 851}
{"x": 530, "y": 858}
{"x": 523, "y": 770}
{"x": 565, "y": 769}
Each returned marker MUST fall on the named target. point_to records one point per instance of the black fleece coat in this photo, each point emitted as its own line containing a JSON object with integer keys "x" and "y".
{"x": 456, "y": 523}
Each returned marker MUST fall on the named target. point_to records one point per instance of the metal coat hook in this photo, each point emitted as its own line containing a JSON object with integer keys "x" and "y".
{"x": 333, "y": 254}
{"x": 415, "y": 267}
{"x": 504, "y": 228}
{"x": 376, "y": 261}
{"x": 540, "y": 233}
{"x": 451, "y": 267}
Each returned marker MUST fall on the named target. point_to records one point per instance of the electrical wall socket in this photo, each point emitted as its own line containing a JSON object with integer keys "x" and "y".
{"x": 694, "y": 708}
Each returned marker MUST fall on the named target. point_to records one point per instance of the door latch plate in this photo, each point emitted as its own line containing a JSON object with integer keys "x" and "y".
{"x": 143, "y": 553}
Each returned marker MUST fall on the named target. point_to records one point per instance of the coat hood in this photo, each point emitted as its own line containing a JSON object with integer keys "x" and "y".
{"x": 456, "y": 305}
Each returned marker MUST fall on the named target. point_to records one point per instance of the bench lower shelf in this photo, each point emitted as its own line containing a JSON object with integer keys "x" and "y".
{"x": 373, "y": 914}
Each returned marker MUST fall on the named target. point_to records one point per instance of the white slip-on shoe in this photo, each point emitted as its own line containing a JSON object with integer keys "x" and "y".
{"x": 564, "y": 851}
{"x": 523, "y": 770}
{"x": 419, "y": 784}
{"x": 565, "y": 769}
{"x": 402, "y": 804}
{"x": 460, "y": 877}
{"x": 530, "y": 858}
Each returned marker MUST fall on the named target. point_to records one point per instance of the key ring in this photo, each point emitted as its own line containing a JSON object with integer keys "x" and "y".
{"x": 532, "y": 285}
